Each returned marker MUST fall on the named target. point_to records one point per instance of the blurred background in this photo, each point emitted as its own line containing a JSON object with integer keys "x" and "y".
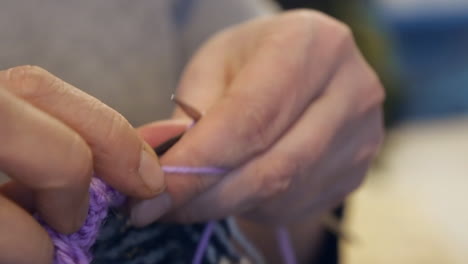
{"x": 413, "y": 208}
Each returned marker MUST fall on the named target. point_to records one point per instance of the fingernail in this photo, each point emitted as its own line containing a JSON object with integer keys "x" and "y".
{"x": 150, "y": 171}
{"x": 146, "y": 212}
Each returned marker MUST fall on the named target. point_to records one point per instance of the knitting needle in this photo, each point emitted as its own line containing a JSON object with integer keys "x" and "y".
{"x": 188, "y": 110}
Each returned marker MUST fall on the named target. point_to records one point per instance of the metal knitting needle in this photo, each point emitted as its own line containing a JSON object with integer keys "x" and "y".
{"x": 188, "y": 110}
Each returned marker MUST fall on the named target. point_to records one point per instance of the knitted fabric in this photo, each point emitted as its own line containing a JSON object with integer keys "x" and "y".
{"x": 75, "y": 248}
{"x": 162, "y": 243}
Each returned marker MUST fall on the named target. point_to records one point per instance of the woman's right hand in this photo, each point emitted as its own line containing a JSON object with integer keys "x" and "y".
{"x": 53, "y": 138}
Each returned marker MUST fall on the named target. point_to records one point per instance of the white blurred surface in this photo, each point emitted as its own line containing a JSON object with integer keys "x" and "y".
{"x": 414, "y": 206}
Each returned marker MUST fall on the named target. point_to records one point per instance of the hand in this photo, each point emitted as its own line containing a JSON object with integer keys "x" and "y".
{"x": 291, "y": 109}
{"x": 53, "y": 137}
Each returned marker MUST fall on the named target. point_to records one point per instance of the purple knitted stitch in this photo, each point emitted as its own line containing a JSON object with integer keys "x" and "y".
{"x": 74, "y": 248}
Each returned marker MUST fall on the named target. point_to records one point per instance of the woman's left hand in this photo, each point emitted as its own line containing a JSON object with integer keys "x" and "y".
{"x": 292, "y": 110}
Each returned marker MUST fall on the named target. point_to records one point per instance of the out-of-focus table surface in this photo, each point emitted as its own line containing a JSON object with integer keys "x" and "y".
{"x": 413, "y": 207}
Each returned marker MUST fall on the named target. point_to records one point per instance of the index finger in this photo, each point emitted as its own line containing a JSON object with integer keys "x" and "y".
{"x": 120, "y": 156}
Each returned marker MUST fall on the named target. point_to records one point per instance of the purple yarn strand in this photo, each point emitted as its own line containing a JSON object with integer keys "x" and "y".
{"x": 75, "y": 248}
{"x": 203, "y": 243}
{"x": 285, "y": 245}
{"x": 193, "y": 170}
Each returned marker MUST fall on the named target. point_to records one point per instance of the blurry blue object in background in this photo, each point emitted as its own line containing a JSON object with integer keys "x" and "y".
{"x": 431, "y": 41}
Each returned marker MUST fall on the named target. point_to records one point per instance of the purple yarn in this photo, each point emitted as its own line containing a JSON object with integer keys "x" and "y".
{"x": 285, "y": 245}
{"x": 203, "y": 244}
{"x": 193, "y": 170}
{"x": 75, "y": 248}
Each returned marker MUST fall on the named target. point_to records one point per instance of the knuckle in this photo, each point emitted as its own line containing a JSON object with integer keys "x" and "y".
{"x": 304, "y": 16}
{"x": 371, "y": 94}
{"x": 309, "y": 22}
{"x": 80, "y": 165}
{"x": 75, "y": 168}
{"x": 277, "y": 178}
{"x": 343, "y": 30}
{"x": 373, "y": 140}
{"x": 33, "y": 81}
{"x": 338, "y": 35}
{"x": 256, "y": 135}
{"x": 372, "y": 87}
{"x": 199, "y": 184}
{"x": 351, "y": 185}
{"x": 294, "y": 25}
{"x": 374, "y": 148}
{"x": 355, "y": 182}
{"x": 114, "y": 126}
{"x": 312, "y": 20}
{"x": 343, "y": 36}
{"x": 113, "y": 130}
{"x": 254, "y": 131}
{"x": 6, "y": 108}
{"x": 376, "y": 89}
{"x": 371, "y": 149}
{"x": 336, "y": 196}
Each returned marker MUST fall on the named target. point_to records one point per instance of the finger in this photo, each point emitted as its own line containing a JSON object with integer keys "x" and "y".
{"x": 40, "y": 152}
{"x": 121, "y": 157}
{"x": 22, "y": 239}
{"x": 20, "y": 194}
{"x": 158, "y": 132}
